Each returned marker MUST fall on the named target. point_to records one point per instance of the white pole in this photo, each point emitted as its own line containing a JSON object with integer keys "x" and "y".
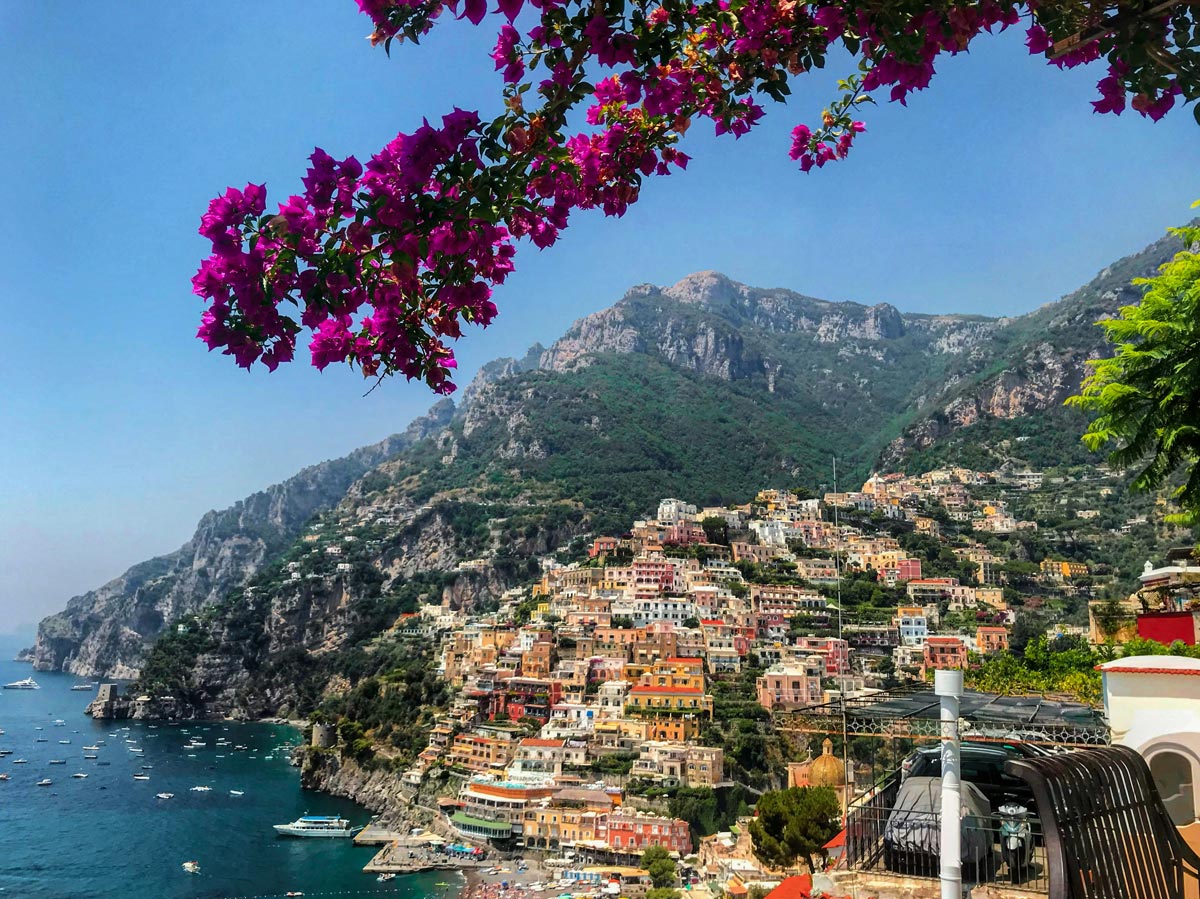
{"x": 948, "y": 685}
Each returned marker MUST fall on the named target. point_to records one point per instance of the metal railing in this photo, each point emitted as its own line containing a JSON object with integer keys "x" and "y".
{"x": 882, "y": 839}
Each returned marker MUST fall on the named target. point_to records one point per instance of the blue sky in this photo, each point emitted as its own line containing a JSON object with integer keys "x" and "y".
{"x": 994, "y": 192}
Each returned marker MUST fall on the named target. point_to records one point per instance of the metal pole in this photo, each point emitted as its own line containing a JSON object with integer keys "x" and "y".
{"x": 948, "y": 685}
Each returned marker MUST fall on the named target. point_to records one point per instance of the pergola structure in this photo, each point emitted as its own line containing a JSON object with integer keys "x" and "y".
{"x": 912, "y": 713}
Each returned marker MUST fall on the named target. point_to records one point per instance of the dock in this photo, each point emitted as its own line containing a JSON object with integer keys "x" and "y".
{"x": 374, "y": 835}
{"x": 408, "y": 853}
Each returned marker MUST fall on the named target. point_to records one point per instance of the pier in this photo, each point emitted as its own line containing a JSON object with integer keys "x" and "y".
{"x": 412, "y": 853}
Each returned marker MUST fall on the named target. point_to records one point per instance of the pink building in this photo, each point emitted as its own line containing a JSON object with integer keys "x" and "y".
{"x": 835, "y": 651}
{"x": 788, "y": 687}
{"x": 632, "y": 832}
{"x": 942, "y": 653}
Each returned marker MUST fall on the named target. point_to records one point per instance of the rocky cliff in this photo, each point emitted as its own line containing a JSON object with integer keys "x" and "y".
{"x": 105, "y": 631}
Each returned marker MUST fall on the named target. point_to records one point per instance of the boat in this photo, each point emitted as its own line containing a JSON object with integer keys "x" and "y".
{"x": 4, "y": 752}
{"x": 79, "y": 775}
{"x": 237, "y": 792}
{"x": 83, "y": 686}
{"x": 135, "y": 750}
{"x": 201, "y": 789}
{"x": 27, "y": 684}
{"x": 141, "y": 777}
{"x": 317, "y": 826}
{"x": 3, "y": 776}
{"x": 192, "y": 867}
{"x": 44, "y": 782}
{"x": 90, "y": 755}
{"x": 441, "y": 883}
{"x": 164, "y": 795}
{"x": 58, "y": 722}
{"x": 58, "y": 761}
{"x": 20, "y": 761}
{"x": 103, "y": 763}
{"x": 41, "y": 740}
{"x": 147, "y": 767}
{"x": 65, "y": 742}
{"x": 384, "y": 878}
{"x": 293, "y": 893}
{"x": 91, "y": 748}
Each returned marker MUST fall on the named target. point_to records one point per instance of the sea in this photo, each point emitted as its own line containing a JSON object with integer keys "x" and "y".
{"x": 106, "y": 836}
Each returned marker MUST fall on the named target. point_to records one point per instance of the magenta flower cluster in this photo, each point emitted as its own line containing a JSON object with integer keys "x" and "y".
{"x": 383, "y": 264}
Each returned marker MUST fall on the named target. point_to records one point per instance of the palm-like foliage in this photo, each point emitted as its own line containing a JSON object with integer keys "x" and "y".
{"x": 1147, "y": 395}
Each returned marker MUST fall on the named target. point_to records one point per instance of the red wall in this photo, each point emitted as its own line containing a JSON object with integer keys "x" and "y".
{"x": 1167, "y": 627}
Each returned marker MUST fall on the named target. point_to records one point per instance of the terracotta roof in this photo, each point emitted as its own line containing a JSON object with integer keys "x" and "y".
{"x": 1152, "y": 665}
{"x": 689, "y": 660}
{"x": 797, "y": 887}
{"x": 548, "y": 744}
{"x": 838, "y": 841}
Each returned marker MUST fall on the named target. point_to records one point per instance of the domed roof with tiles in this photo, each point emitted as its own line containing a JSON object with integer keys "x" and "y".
{"x": 826, "y": 769}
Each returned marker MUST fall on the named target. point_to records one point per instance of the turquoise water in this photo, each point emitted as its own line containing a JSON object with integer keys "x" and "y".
{"x": 108, "y": 837}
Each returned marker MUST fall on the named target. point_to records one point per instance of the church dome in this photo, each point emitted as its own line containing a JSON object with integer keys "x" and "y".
{"x": 826, "y": 769}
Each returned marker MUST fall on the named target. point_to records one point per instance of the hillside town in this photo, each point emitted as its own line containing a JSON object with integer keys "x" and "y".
{"x": 698, "y": 651}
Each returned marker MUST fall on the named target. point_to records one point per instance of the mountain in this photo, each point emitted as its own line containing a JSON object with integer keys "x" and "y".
{"x": 707, "y": 389}
{"x": 105, "y": 631}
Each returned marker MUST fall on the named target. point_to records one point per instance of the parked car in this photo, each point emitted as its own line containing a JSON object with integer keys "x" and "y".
{"x": 981, "y": 764}
{"x": 912, "y": 837}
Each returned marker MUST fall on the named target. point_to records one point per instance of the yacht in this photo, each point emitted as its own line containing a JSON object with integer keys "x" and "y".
{"x": 91, "y": 748}
{"x": 317, "y": 826}
{"x": 44, "y": 782}
{"x": 164, "y": 795}
{"x": 201, "y": 789}
{"x": 83, "y": 686}
{"x": 20, "y": 761}
{"x": 28, "y": 684}
{"x": 141, "y": 777}
{"x": 237, "y": 792}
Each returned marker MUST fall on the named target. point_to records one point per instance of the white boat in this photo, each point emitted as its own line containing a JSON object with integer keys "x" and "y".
{"x": 27, "y": 684}
{"x": 58, "y": 761}
{"x": 237, "y": 792}
{"x": 141, "y": 777}
{"x": 164, "y": 795}
{"x": 44, "y": 782}
{"x": 83, "y": 686}
{"x": 3, "y": 776}
{"x": 91, "y": 748}
{"x": 20, "y": 761}
{"x": 135, "y": 750}
{"x": 90, "y": 755}
{"x": 41, "y": 740}
{"x": 58, "y": 722}
{"x": 201, "y": 789}
{"x": 65, "y": 742}
{"x": 384, "y": 878}
{"x": 192, "y": 867}
{"x": 317, "y": 826}
{"x": 79, "y": 776}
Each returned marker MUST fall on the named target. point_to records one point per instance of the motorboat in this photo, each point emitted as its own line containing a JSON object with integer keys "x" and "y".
{"x": 79, "y": 775}
{"x": 192, "y": 867}
{"x": 237, "y": 792}
{"x": 58, "y": 761}
{"x": 201, "y": 789}
{"x": 164, "y": 795}
{"x": 20, "y": 761}
{"x": 141, "y": 777}
{"x": 41, "y": 740}
{"x": 91, "y": 748}
{"x": 27, "y": 684}
{"x": 44, "y": 782}
{"x": 384, "y": 878}
{"x": 65, "y": 742}
{"x": 147, "y": 767}
{"x": 3, "y": 776}
{"x": 58, "y": 722}
{"x": 317, "y": 826}
{"x": 135, "y": 750}
{"x": 90, "y": 755}
{"x": 84, "y": 686}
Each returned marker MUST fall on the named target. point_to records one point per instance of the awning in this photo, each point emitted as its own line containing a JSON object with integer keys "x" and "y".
{"x": 492, "y": 828}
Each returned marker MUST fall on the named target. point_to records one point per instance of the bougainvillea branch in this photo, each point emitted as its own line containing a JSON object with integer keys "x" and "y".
{"x": 382, "y": 263}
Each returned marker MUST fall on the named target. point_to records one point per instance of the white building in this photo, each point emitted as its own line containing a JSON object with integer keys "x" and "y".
{"x": 1153, "y": 706}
